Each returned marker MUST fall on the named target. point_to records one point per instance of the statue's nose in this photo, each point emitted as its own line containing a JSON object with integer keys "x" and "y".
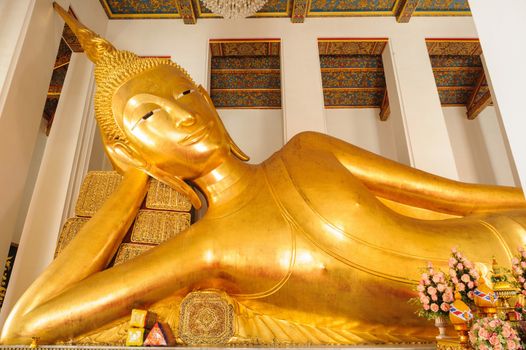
{"x": 186, "y": 120}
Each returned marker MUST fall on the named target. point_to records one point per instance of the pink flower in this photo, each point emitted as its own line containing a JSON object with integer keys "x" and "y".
{"x": 454, "y": 280}
{"x": 460, "y": 266}
{"x": 434, "y": 307}
{"x": 515, "y": 261}
{"x": 454, "y": 250}
{"x": 523, "y": 264}
{"x": 521, "y": 279}
{"x": 506, "y": 332}
{"x": 436, "y": 278}
{"x": 494, "y": 340}
{"x": 471, "y": 295}
{"x": 497, "y": 346}
{"x": 512, "y": 345}
{"x": 444, "y": 307}
{"x": 493, "y": 323}
{"x": 425, "y": 276}
{"x": 448, "y": 297}
{"x": 471, "y": 285}
{"x": 465, "y": 278}
{"x": 434, "y": 297}
{"x": 426, "y": 307}
{"x": 461, "y": 287}
{"x": 483, "y": 347}
{"x": 483, "y": 333}
{"x": 420, "y": 288}
{"x": 431, "y": 290}
{"x": 441, "y": 287}
{"x": 452, "y": 262}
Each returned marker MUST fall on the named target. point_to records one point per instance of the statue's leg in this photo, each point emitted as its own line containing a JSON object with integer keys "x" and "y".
{"x": 401, "y": 183}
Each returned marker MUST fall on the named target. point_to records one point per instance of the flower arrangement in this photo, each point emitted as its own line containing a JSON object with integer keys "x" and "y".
{"x": 518, "y": 266}
{"x": 464, "y": 276}
{"x": 434, "y": 294}
{"x": 493, "y": 333}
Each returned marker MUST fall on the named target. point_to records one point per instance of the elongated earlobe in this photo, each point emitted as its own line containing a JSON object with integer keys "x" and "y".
{"x": 123, "y": 158}
{"x": 176, "y": 183}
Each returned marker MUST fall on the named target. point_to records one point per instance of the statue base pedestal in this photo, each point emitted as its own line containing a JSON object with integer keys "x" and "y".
{"x": 340, "y": 347}
{"x": 452, "y": 344}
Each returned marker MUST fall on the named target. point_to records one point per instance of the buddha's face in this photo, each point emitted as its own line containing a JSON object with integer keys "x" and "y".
{"x": 169, "y": 123}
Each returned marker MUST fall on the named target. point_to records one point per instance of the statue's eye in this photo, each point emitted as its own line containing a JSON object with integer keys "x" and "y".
{"x": 186, "y": 92}
{"x": 147, "y": 115}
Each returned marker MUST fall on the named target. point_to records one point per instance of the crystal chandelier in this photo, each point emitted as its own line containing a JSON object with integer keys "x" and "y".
{"x": 234, "y": 8}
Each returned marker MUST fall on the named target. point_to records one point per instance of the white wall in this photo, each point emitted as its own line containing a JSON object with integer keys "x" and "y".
{"x": 501, "y": 27}
{"x": 479, "y": 147}
{"x": 258, "y": 132}
{"x": 362, "y": 127}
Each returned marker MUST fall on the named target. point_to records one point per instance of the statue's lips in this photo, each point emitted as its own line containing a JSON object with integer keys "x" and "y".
{"x": 196, "y": 136}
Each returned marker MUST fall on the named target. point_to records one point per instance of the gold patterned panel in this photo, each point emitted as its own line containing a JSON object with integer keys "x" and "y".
{"x": 461, "y": 47}
{"x": 405, "y": 10}
{"x": 96, "y": 188}
{"x": 186, "y": 10}
{"x": 129, "y": 251}
{"x": 69, "y": 231}
{"x": 351, "y": 46}
{"x": 163, "y": 197}
{"x": 452, "y": 344}
{"x": 155, "y": 226}
{"x": 253, "y": 47}
{"x": 300, "y": 9}
{"x": 206, "y": 318}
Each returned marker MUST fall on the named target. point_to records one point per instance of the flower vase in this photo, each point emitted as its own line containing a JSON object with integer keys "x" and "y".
{"x": 441, "y": 323}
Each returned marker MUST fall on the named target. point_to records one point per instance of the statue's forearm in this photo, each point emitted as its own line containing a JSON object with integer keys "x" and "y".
{"x": 89, "y": 252}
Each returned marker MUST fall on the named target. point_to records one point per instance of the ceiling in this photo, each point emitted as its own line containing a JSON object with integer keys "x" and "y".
{"x": 245, "y": 73}
{"x": 297, "y": 10}
{"x": 459, "y": 74}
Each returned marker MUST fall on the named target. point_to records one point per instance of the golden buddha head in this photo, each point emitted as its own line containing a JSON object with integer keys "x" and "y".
{"x": 152, "y": 115}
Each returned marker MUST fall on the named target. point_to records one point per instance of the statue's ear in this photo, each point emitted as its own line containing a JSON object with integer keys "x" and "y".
{"x": 123, "y": 157}
{"x": 233, "y": 147}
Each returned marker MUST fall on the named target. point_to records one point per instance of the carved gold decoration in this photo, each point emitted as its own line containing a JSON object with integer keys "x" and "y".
{"x": 95, "y": 190}
{"x": 301, "y": 238}
{"x": 163, "y": 197}
{"x": 69, "y": 231}
{"x": 155, "y": 226}
{"x": 129, "y": 251}
{"x": 453, "y": 47}
{"x": 206, "y": 318}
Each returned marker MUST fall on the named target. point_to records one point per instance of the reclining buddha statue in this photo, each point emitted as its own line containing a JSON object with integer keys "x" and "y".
{"x": 323, "y": 241}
